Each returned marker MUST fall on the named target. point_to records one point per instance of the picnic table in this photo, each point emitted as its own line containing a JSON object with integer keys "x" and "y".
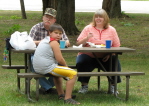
{"x": 116, "y": 50}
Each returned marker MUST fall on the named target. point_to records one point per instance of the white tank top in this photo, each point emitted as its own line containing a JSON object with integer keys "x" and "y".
{"x": 44, "y": 60}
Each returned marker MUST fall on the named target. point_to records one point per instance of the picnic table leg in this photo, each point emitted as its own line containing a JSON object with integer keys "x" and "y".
{"x": 115, "y": 80}
{"x": 98, "y": 78}
{"x": 109, "y": 87}
{"x": 29, "y": 63}
{"x": 110, "y": 69}
{"x": 27, "y": 68}
{"x": 9, "y": 56}
{"x": 18, "y": 80}
{"x": 127, "y": 87}
{"x": 28, "y": 90}
{"x": 25, "y": 58}
{"x": 37, "y": 88}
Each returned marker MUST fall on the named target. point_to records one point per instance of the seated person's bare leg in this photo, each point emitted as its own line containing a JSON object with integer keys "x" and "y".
{"x": 58, "y": 83}
{"x": 69, "y": 87}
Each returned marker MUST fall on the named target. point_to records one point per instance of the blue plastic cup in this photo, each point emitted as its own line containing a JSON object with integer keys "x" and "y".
{"x": 62, "y": 44}
{"x": 108, "y": 43}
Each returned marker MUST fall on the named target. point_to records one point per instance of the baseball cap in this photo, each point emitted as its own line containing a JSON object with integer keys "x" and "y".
{"x": 51, "y": 11}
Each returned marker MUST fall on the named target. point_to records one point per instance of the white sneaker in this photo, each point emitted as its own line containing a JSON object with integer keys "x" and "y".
{"x": 112, "y": 90}
{"x": 83, "y": 89}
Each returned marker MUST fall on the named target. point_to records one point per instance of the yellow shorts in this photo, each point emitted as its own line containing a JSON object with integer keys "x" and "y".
{"x": 63, "y": 71}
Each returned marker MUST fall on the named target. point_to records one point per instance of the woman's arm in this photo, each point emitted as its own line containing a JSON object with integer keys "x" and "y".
{"x": 83, "y": 41}
{"x": 57, "y": 53}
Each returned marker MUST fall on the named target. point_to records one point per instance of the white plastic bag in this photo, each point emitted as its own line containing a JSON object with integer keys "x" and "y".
{"x": 21, "y": 41}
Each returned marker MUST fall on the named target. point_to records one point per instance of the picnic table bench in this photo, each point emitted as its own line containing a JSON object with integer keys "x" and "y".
{"x": 18, "y": 68}
{"x": 36, "y": 76}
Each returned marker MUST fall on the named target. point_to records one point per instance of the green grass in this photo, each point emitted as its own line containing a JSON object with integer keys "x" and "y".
{"x": 133, "y": 33}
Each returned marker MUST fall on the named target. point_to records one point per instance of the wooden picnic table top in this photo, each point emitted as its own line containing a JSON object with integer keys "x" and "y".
{"x": 85, "y": 49}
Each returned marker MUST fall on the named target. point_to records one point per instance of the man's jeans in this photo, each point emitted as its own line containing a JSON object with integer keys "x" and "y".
{"x": 45, "y": 83}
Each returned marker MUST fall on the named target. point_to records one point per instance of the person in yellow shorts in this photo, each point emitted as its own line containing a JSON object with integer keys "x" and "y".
{"x": 46, "y": 59}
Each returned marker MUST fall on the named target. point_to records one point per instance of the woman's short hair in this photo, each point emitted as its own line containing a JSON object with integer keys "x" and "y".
{"x": 101, "y": 13}
{"x": 55, "y": 26}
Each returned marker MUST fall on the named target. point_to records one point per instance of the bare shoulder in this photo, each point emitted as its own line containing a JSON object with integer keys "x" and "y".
{"x": 54, "y": 44}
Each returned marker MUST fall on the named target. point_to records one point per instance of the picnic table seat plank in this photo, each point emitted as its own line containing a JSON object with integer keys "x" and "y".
{"x": 24, "y": 75}
{"x": 13, "y": 66}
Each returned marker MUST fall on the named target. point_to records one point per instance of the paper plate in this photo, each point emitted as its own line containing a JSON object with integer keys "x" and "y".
{"x": 100, "y": 46}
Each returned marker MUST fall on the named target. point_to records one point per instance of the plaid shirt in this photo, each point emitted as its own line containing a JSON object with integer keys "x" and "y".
{"x": 38, "y": 32}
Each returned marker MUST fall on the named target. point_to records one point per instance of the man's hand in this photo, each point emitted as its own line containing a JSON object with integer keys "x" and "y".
{"x": 67, "y": 43}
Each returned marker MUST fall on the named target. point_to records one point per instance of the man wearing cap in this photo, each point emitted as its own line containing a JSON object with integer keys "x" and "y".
{"x": 39, "y": 32}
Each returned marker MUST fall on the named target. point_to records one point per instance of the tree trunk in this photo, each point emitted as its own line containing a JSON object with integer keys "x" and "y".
{"x": 66, "y": 16}
{"x": 112, "y": 7}
{"x": 23, "y": 9}
{"x": 49, "y": 4}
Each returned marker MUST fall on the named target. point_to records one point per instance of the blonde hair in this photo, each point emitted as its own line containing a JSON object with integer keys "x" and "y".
{"x": 101, "y": 13}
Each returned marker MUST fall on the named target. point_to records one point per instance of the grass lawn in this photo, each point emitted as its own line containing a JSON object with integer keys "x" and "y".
{"x": 133, "y": 33}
